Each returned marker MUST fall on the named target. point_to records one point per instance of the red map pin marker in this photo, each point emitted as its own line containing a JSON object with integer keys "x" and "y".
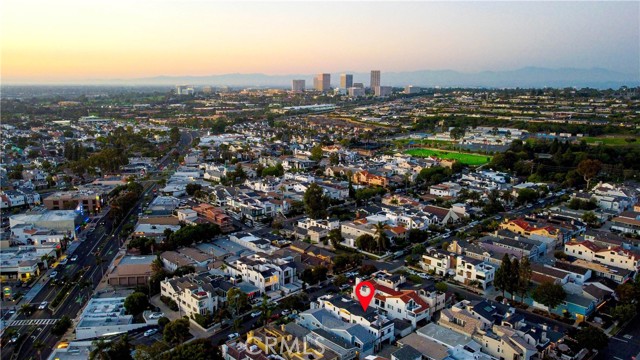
{"x": 365, "y": 298}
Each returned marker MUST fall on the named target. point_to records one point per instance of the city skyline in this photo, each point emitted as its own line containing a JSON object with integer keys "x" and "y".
{"x": 199, "y": 38}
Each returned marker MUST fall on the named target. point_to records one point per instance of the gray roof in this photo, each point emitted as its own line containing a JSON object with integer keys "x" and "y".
{"x": 406, "y": 353}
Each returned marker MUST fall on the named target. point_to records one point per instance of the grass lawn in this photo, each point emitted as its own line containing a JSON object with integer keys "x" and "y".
{"x": 613, "y": 141}
{"x": 427, "y": 142}
{"x": 468, "y": 159}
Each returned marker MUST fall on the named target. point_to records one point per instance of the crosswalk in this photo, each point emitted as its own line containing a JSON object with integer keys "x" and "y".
{"x": 33, "y": 322}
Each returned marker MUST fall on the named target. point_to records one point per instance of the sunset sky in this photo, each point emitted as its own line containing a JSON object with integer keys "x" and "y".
{"x": 75, "y": 41}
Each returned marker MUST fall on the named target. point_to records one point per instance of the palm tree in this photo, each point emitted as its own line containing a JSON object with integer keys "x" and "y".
{"x": 380, "y": 235}
{"x": 25, "y": 309}
{"x": 38, "y": 346}
{"x": 99, "y": 262}
{"x": 100, "y": 350}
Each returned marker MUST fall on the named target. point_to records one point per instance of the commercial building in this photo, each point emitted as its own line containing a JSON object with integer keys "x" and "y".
{"x": 297, "y": 85}
{"x": 346, "y": 81}
{"x": 322, "y": 82}
{"x": 64, "y": 221}
{"x": 410, "y": 89}
{"x": 185, "y": 90}
{"x": 375, "y": 78}
{"x": 355, "y": 91}
{"x": 90, "y": 201}
{"x": 382, "y": 91}
{"x": 105, "y": 316}
{"x": 131, "y": 271}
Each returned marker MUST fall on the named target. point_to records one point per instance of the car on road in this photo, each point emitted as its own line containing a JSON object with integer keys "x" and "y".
{"x": 53, "y": 274}
{"x": 150, "y": 332}
{"x": 74, "y": 258}
{"x": 15, "y": 338}
{"x": 64, "y": 261}
{"x": 345, "y": 287}
{"x": 43, "y": 305}
{"x": 233, "y": 336}
{"x": 156, "y": 315}
{"x": 286, "y": 312}
{"x": 256, "y": 313}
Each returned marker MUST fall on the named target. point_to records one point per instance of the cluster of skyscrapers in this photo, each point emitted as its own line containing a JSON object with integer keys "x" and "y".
{"x": 322, "y": 82}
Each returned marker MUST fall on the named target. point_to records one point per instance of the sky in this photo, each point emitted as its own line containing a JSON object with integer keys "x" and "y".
{"x": 62, "y": 41}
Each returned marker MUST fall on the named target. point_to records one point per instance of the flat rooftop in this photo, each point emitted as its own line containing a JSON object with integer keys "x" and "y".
{"x": 443, "y": 335}
{"x": 104, "y": 312}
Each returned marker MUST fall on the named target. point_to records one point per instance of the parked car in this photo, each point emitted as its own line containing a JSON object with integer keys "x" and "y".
{"x": 156, "y": 315}
{"x": 286, "y": 312}
{"x": 43, "y": 305}
{"x": 233, "y": 336}
{"x": 150, "y": 332}
{"x": 64, "y": 261}
{"x": 256, "y": 313}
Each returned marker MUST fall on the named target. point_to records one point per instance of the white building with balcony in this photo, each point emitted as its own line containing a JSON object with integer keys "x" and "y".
{"x": 473, "y": 271}
{"x": 194, "y": 294}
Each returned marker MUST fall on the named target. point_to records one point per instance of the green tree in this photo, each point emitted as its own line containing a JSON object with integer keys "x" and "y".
{"x": 549, "y": 294}
{"x": 514, "y": 277}
{"x": 367, "y": 269}
{"x": 589, "y": 168}
{"x": 176, "y": 332}
{"x": 334, "y": 159}
{"x": 38, "y": 345}
{"x": 340, "y": 280}
{"x": 100, "y": 350}
{"x": 382, "y": 240}
{"x": 366, "y": 242}
{"x": 526, "y": 196}
{"x": 525, "y": 277}
{"x": 236, "y": 300}
{"x": 418, "y": 249}
{"x": 315, "y": 202}
{"x": 590, "y": 337}
{"x": 624, "y": 312}
{"x": 501, "y": 278}
{"x": 136, "y": 303}
{"x": 591, "y": 218}
{"x": 335, "y": 237}
{"x": 191, "y": 188}
{"x": 441, "y": 286}
{"x": 174, "y": 134}
{"x": 627, "y": 293}
{"x": 316, "y": 153}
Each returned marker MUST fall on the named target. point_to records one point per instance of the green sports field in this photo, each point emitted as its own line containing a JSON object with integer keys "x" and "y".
{"x": 613, "y": 140}
{"x": 469, "y": 159}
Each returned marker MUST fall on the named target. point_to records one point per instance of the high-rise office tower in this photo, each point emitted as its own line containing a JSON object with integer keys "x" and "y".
{"x": 322, "y": 82}
{"x": 297, "y": 85}
{"x": 346, "y": 81}
{"x": 375, "y": 78}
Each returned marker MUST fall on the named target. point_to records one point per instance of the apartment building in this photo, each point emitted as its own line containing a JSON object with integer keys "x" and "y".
{"x": 194, "y": 294}
{"x": 439, "y": 261}
{"x": 610, "y": 256}
{"x": 473, "y": 271}
{"x": 266, "y": 274}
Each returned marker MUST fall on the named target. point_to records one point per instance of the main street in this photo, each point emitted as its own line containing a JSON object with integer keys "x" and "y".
{"x": 95, "y": 255}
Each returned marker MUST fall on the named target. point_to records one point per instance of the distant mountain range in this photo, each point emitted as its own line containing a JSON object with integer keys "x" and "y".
{"x": 524, "y": 78}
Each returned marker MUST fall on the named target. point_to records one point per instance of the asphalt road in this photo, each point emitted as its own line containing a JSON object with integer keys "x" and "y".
{"x": 103, "y": 243}
{"x": 625, "y": 345}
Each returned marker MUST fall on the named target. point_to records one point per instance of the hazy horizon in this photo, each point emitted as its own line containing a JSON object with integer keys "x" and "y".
{"x": 77, "y": 42}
